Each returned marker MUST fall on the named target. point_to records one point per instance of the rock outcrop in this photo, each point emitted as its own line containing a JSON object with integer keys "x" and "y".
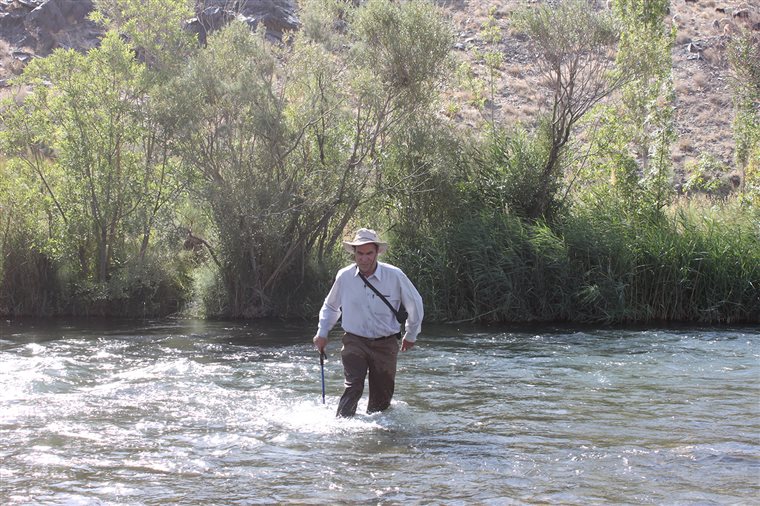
{"x": 37, "y": 27}
{"x": 278, "y": 16}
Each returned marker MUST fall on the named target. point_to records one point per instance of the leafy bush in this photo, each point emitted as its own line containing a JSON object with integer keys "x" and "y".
{"x": 707, "y": 175}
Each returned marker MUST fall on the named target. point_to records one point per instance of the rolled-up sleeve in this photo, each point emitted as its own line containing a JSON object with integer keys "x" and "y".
{"x": 412, "y": 301}
{"x": 331, "y": 309}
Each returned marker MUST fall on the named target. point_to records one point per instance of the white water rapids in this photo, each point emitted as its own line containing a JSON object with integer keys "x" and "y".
{"x": 190, "y": 412}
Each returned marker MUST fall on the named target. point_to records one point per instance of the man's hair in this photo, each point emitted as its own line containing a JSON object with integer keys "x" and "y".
{"x": 377, "y": 246}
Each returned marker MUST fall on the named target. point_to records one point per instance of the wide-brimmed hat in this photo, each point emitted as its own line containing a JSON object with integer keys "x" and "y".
{"x": 365, "y": 236}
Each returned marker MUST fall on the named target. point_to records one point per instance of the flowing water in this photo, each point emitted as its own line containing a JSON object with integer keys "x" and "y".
{"x": 188, "y": 412}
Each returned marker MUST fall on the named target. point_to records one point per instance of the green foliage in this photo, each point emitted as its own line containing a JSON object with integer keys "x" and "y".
{"x": 289, "y": 141}
{"x": 209, "y": 295}
{"x": 29, "y": 283}
{"x": 324, "y": 22}
{"x": 86, "y": 139}
{"x": 418, "y": 174}
{"x": 27, "y": 277}
{"x": 403, "y": 45}
{"x": 694, "y": 263}
{"x": 467, "y": 80}
{"x": 751, "y": 192}
{"x": 705, "y": 176}
{"x": 490, "y": 268}
{"x": 261, "y": 156}
{"x": 646, "y": 112}
{"x": 155, "y": 286}
{"x": 744, "y": 59}
{"x": 574, "y": 43}
{"x": 568, "y": 28}
{"x": 154, "y": 27}
{"x": 509, "y": 172}
{"x": 629, "y": 140}
{"x": 230, "y": 129}
{"x": 492, "y": 57}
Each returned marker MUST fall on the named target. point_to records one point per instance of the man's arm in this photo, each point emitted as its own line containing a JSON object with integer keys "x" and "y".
{"x": 412, "y": 301}
{"x": 328, "y": 316}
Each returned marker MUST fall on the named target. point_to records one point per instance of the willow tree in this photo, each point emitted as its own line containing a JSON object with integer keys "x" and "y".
{"x": 629, "y": 138}
{"x": 83, "y": 135}
{"x": 744, "y": 58}
{"x": 288, "y": 139}
{"x": 575, "y": 44}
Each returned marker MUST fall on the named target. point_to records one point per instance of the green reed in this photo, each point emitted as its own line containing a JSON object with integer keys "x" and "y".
{"x": 694, "y": 262}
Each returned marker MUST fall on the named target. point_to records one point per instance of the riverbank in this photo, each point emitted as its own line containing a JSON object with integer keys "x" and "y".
{"x": 694, "y": 264}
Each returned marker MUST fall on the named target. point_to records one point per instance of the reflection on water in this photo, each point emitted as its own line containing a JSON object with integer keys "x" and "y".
{"x": 190, "y": 412}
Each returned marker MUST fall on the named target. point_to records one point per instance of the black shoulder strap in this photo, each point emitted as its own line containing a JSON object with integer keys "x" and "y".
{"x": 395, "y": 313}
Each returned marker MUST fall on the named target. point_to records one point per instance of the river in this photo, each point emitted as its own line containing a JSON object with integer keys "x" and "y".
{"x": 198, "y": 412}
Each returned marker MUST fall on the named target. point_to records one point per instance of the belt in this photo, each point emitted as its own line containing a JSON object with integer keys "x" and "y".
{"x": 397, "y": 336}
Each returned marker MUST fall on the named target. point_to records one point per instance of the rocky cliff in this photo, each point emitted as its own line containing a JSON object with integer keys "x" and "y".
{"x": 30, "y": 28}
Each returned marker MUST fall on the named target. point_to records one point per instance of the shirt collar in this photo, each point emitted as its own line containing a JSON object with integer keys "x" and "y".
{"x": 377, "y": 274}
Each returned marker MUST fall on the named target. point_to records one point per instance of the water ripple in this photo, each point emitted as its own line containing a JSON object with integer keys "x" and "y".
{"x": 94, "y": 415}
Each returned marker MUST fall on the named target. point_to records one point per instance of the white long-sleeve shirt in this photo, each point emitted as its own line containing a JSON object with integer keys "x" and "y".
{"x": 364, "y": 312}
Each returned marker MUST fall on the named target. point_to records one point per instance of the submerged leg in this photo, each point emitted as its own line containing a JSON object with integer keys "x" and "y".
{"x": 382, "y": 374}
{"x": 355, "y": 370}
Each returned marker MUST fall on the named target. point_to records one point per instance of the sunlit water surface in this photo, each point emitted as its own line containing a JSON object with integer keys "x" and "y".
{"x": 206, "y": 413}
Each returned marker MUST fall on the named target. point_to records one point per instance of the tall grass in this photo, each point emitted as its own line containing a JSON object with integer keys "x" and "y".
{"x": 28, "y": 282}
{"x": 694, "y": 262}
{"x": 490, "y": 267}
{"x": 704, "y": 264}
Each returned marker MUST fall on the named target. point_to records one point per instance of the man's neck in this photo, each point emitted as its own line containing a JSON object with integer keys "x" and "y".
{"x": 370, "y": 272}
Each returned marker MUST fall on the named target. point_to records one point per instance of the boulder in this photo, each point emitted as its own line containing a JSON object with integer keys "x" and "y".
{"x": 209, "y": 19}
{"x": 277, "y": 16}
{"x": 44, "y": 25}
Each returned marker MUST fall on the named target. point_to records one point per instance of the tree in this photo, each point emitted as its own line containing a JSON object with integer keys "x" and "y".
{"x": 289, "y": 139}
{"x": 575, "y": 45}
{"x": 744, "y": 58}
{"x": 630, "y": 138}
{"x": 647, "y": 110}
{"x": 85, "y": 133}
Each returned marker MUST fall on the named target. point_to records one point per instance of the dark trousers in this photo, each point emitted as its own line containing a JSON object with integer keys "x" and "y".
{"x": 376, "y": 357}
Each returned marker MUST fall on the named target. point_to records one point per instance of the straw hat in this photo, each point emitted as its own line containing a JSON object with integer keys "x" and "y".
{"x": 365, "y": 236}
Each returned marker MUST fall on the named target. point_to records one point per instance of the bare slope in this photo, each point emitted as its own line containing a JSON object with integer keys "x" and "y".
{"x": 700, "y": 69}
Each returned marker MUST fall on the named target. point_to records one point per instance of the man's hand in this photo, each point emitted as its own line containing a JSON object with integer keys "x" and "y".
{"x": 406, "y": 345}
{"x": 320, "y": 343}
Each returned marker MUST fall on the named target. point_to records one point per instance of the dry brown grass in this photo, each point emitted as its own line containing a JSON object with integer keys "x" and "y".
{"x": 684, "y": 145}
{"x": 703, "y": 105}
{"x": 699, "y": 80}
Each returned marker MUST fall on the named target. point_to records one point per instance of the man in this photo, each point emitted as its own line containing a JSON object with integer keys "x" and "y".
{"x": 371, "y": 328}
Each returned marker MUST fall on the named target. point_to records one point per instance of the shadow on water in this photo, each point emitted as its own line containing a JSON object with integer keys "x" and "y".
{"x": 263, "y": 332}
{"x": 276, "y": 332}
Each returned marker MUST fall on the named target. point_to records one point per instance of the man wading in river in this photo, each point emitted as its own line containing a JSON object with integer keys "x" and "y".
{"x": 370, "y": 342}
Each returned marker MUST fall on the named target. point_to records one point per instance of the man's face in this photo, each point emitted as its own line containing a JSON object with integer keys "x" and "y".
{"x": 365, "y": 257}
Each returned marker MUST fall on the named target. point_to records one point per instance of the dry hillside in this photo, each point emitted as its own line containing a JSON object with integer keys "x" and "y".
{"x": 703, "y": 103}
{"x": 700, "y": 69}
